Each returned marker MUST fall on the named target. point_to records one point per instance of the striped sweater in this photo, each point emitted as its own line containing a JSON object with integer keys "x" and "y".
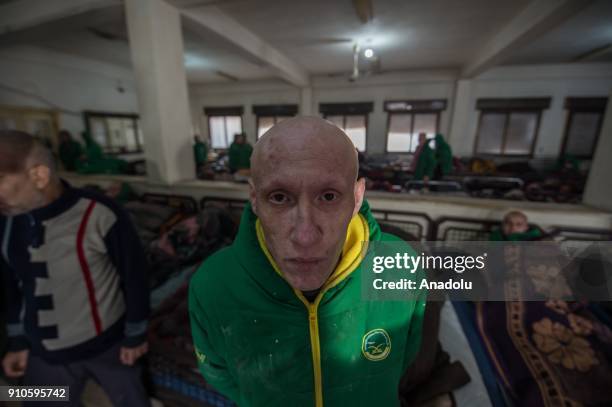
{"x": 74, "y": 275}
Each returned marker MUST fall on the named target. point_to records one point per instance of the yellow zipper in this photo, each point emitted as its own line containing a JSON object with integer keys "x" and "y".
{"x": 313, "y": 321}
{"x": 316, "y": 351}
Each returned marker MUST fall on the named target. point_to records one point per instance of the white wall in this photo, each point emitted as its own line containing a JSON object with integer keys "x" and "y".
{"x": 555, "y": 81}
{"x": 598, "y": 192}
{"x": 377, "y": 89}
{"x": 245, "y": 94}
{"x": 458, "y": 122}
{"x": 35, "y": 77}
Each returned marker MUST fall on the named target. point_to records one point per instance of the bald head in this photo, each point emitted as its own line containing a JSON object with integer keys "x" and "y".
{"x": 28, "y": 178}
{"x": 304, "y": 190}
{"x": 304, "y": 138}
{"x": 20, "y": 150}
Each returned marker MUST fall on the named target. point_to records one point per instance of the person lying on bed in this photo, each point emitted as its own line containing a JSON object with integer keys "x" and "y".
{"x": 515, "y": 227}
{"x": 277, "y": 318}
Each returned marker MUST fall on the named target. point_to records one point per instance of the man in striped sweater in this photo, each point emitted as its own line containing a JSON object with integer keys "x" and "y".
{"x": 74, "y": 276}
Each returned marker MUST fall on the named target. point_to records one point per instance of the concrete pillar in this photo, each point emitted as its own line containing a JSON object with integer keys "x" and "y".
{"x": 306, "y": 101}
{"x": 156, "y": 44}
{"x": 458, "y": 136}
{"x": 598, "y": 192}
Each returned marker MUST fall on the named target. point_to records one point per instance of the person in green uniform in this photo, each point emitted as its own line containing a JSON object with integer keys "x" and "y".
{"x": 444, "y": 157}
{"x": 70, "y": 151}
{"x": 96, "y": 162}
{"x": 240, "y": 153}
{"x": 200, "y": 152}
{"x": 515, "y": 228}
{"x": 278, "y": 318}
{"x": 567, "y": 163}
{"x": 424, "y": 159}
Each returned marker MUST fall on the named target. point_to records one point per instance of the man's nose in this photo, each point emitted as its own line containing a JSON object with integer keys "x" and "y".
{"x": 305, "y": 231}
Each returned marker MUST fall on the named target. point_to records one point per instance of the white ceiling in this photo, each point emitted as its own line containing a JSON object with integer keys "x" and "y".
{"x": 319, "y": 34}
{"x": 587, "y": 30}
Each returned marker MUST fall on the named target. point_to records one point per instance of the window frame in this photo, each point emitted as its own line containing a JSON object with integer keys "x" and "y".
{"x": 412, "y": 113}
{"x": 88, "y": 115}
{"x": 349, "y": 109}
{"x": 507, "y": 112}
{"x": 285, "y": 110}
{"x": 412, "y": 107}
{"x": 583, "y": 105}
{"x": 223, "y": 111}
{"x": 225, "y": 116}
{"x": 344, "y": 115}
{"x": 257, "y": 117}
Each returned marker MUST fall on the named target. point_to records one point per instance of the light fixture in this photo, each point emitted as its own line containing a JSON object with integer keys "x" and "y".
{"x": 368, "y": 53}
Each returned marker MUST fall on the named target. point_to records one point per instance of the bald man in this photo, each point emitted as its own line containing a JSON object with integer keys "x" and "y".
{"x": 277, "y": 318}
{"x": 75, "y": 280}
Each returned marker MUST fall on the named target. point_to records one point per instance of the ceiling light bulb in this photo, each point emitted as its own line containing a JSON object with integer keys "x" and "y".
{"x": 368, "y": 53}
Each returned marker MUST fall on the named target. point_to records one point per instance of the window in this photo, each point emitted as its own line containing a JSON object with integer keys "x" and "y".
{"x": 223, "y": 129}
{"x": 265, "y": 123}
{"x": 223, "y": 124}
{"x": 407, "y": 119}
{"x": 352, "y": 118}
{"x": 508, "y": 127}
{"x": 41, "y": 123}
{"x": 269, "y": 115}
{"x": 404, "y": 129}
{"x": 583, "y": 126}
{"x": 354, "y": 126}
{"x": 116, "y": 133}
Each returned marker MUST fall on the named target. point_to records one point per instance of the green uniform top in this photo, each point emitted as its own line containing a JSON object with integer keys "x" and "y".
{"x": 564, "y": 160}
{"x": 240, "y": 156}
{"x": 262, "y": 343}
{"x": 92, "y": 149}
{"x": 96, "y": 162}
{"x": 426, "y": 163}
{"x": 531, "y": 234}
{"x": 200, "y": 152}
{"x": 70, "y": 153}
{"x": 444, "y": 155}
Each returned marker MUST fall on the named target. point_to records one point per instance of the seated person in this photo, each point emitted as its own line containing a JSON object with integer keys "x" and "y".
{"x": 515, "y": 227}
{"x": 277, "y": 317}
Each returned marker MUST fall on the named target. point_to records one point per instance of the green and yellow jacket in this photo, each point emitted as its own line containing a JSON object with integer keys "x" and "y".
{"x": 262, "y": 343}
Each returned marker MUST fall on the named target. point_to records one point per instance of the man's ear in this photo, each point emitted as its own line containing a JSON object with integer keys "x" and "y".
{"x": 252, "y": 196}
{"x": 359, "y": 194}
{"x": 40, "y": 176}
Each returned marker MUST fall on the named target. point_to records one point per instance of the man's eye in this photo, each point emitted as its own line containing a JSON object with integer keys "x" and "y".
{"x": 329, "y": 196}
{"x": 278, "y": 198}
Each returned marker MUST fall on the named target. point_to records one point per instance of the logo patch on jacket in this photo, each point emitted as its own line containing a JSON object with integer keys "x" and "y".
{"x": 201, "y": 356}
{"x": 376, "y": 345}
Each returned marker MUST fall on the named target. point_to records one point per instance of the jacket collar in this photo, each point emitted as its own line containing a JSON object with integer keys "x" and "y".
{"x": 66, "y": 200}
{"x": 258, "y": 263}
